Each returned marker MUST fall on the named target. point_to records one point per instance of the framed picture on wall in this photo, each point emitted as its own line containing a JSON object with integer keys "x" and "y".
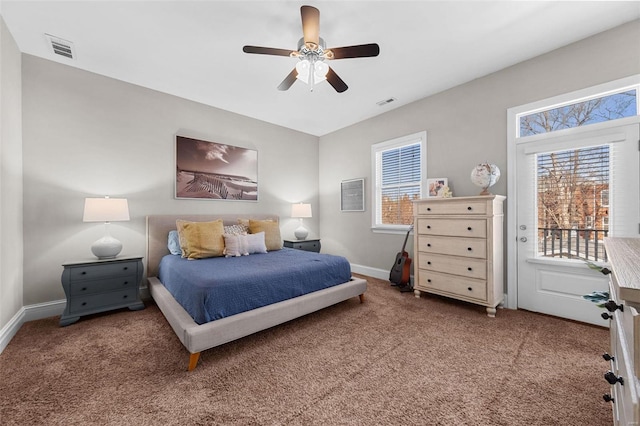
{"x": 352, "y": 195}
{"x": 436, "y": 187}
{"x": 215, "y": 171}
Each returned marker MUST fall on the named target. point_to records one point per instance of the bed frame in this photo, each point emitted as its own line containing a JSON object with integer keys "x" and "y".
{"x": 196, "y": 337}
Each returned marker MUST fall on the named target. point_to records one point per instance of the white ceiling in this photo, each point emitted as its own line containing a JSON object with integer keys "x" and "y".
{"x": 194, "y": 49}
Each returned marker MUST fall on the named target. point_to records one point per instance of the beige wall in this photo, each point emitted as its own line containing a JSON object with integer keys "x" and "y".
{"x": 87, "y": 135}
{"x": 465, "y": 125}
{"x": 10, "y": 178}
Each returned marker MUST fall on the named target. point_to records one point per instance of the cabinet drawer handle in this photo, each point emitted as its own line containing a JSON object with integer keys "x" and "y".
{"x": 428, "y": 226}
{"x": 608, "y": 357}
{"x": 125, "y": 283}
{"x": 469, "y": 268}
{"x": 428, "y": 244}
{"x": 610, "y": 377}
{"x": 469, "y": 248}
{"x": 612, "y": 306}
{"x": 608, "y": 398}
{"x": 83, "y": 273}
{"x": 125, "y": 268}
{"x": 84, "y": 289}
{"x": 84, "y": 303}
{"x": 428, "y": 263}
{"x": 429, "y": 280}
{"x": 469, "y": 208}
{"x": 428, "y": 209}
{"x": 606, "y": 316}
{"x": 469, "y": 288}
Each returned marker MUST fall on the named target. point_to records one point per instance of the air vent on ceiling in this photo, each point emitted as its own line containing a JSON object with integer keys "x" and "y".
{"x": 386, "y": 101}
{"x": 61, "y": 46}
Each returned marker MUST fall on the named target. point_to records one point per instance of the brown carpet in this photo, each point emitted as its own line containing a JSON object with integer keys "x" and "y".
{"x": 392, "y": 360}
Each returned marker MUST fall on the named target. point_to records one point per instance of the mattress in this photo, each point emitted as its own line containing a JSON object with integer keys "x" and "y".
{"x": 215, "y": 288}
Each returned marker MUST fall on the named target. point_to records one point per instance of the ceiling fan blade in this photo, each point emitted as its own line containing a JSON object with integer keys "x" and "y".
{"x": 289, "y": 80}
{"x": 310, "y": 26}
{"x": 359, "y": 51}
{"x": 336, "y": 81}
{"x": 266, "y": 51}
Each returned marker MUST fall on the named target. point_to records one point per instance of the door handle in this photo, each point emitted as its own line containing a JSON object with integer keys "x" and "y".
{"x": 523, "y": 239}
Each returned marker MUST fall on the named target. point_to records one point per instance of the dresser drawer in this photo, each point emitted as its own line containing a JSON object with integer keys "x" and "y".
{"x": 452, "y": 207}
{"x": 465, "y": 247}
{"x": 112, "y": 299}
{"x": 99, "y": 286}
{"x": 464, "y": 266}
{"x": 626, "y": 404}
{"x": 453, "y": 227}
{"x": 453, "y": 285}
{"x": 92, "y": 272}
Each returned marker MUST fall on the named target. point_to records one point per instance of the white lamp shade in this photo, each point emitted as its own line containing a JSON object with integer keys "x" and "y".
{"x": 301, "y": 210}
{"x": 105, "y": 210}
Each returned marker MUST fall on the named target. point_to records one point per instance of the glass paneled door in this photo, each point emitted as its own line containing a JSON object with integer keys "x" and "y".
{"x": 573, "y": 191}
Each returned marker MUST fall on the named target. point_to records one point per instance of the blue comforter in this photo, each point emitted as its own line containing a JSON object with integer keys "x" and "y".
{"x": 210, "y": 289}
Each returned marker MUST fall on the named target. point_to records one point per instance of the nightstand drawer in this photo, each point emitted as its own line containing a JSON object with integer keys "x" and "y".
{"x": 465, "y": 247}
{"x": 111, "y": 299}
{"x": 92, "y": 272}
{"x": 306, "y": 245}
{"x": 99, "y": 286}
{"x": 453, "y": 227}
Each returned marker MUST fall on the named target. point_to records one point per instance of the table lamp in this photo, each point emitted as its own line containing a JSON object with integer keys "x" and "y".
{"x": 301, "y": 210}
{"x": 106, "y": 210}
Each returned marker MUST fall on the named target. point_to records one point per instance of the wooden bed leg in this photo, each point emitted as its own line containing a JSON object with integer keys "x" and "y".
{"x": 361, "y": 298}
{"x": 193, "y": 360}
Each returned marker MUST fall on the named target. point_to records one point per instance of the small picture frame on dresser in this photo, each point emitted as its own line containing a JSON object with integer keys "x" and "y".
{"x": 436, "y": 187}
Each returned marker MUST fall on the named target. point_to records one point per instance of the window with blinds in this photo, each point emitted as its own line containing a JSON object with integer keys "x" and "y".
{"x": 399, "y": 171}
{"x": 573, "y": 202}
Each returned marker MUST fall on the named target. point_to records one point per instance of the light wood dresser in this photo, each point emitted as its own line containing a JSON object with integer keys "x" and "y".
{"x": 458, "y": 249}
{"x": 622, "y": 311}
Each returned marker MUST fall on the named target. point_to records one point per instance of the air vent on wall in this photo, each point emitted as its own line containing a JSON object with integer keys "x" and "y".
{"x": 61, "y": 46}
{"x": 385, "y": 102}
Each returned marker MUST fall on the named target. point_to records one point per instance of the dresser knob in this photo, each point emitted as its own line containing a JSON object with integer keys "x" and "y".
{"x": 83, "y": 273}
{"x": 469, "y": 268}
{"x": 428, "y": 263}
{"x": 610, "y": 377}
{"x": 469, "y": 248}
{"x": 428, "y": 244}
{"x": 608, "y": 357}
{"x": 469, "y": 208}
{"x": 612, "y": 306}
{"x": 125, "y": 296}
{"x": 468, "y": 228}
{"x": 84, "y": 303}
{"x": 125, "y": 268}
{"x": 428, "y": 226}
{"x": 608, "y": 398}
{"x": 428, "y": 209}
{"x": 606, "y": 316}
{"x": 84, "y": 289}
{"x": 125, "y": 283}
{"x": 469, "y": 288}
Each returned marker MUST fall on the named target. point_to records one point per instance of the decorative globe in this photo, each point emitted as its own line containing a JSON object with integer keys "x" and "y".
{"x": 485, "y": 175}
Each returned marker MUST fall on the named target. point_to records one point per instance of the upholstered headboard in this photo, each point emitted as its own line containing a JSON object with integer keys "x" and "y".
{"x": 158, "y": 227}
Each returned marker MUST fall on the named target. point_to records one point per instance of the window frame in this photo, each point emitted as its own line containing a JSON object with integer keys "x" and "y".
{"x": 376, "y": 150}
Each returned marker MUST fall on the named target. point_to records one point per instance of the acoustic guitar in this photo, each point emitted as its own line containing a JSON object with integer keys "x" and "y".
{"x": 401, "y": 269}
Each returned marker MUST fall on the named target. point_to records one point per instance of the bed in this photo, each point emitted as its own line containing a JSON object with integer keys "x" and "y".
{"x": 198, "y": 337}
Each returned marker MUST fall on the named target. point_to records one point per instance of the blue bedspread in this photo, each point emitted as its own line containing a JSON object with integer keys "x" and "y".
{"x": 210, "y": 289}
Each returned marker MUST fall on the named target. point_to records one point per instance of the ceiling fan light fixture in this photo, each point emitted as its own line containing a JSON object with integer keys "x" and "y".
{"x": 321, "y": 69}
{"x": 303, "y": 67}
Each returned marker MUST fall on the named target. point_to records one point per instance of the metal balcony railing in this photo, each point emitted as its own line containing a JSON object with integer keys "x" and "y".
{"x": 584, "y": 244}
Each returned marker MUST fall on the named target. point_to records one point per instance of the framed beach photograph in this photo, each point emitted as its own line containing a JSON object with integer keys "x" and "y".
{"x": 352, "y": 195}
{"x": 436, "y": 186}
{"x": 214, "y": 171}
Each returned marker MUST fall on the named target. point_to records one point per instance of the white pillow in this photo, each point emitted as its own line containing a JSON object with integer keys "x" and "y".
{"x": 244, "y": 245}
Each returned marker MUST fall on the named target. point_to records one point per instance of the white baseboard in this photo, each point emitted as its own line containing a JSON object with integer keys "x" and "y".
{"x": 29, "y": 313}
{"x": 370, "y": 272}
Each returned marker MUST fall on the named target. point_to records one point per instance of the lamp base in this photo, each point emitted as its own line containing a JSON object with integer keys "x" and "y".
{"x": 301, "y": 232}
{"x": 106, "y": 247}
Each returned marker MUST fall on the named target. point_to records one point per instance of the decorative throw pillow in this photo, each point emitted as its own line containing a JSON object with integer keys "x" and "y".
{"x": 199, "y": 240}
{"x": 271, "y": 230}
{"x": 173, "y": 243}
{"x": 244, "y": 245}
{"x": 238, "y": 229}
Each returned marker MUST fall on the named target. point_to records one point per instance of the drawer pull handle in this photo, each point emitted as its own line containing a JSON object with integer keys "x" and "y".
{"x": 84, "y": 289}
{"x": 83, "y": 273}
{"x": 469, "y": 208}
{"x": 469, "y": 288}
{"x": 125, "y": 296}
{"x": 428, "y": 244}
{"x": 611, "y": 306}
{"x": 606, "y": 316}
{"x": 469, "y": 248}
{"x": 608, "y": 357}
{"x": 125, "y": 283}
{"x": 469, "y": 268}
{"x": 608, "y": 398}
{"x": 84, "y": 303}
{"x": 428, "y": 263}
{"x": 125, "y": 268}
{"x": 429, "y": 280}
{"x": 428, "y": 209}
{"x": 610, "y": 377}
{"x": 428, "y": 226}
{"x": 468, "y": 228}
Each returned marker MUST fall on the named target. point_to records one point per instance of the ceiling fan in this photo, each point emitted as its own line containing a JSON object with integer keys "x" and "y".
{"x": 312, "y": 53}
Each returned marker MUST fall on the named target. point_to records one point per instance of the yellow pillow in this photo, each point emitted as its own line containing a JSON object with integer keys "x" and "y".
{"x": 271, "y": 230}
{"x": 199, "y": 240}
